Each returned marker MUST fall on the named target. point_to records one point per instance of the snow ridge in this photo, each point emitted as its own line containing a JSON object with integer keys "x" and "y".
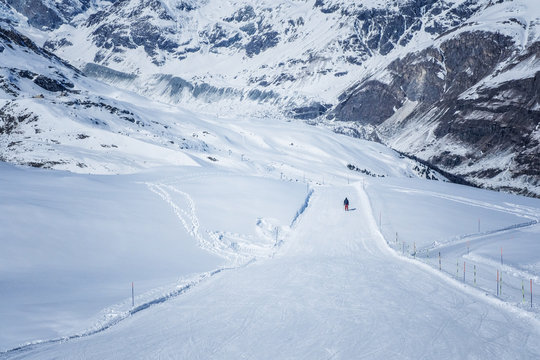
{"x": 303, "y": 208}
{"x": 114, "y": 317}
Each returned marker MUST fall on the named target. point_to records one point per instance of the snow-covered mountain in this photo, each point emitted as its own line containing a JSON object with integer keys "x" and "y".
{"x": 469, "y": 102}
{"x": 222, "y": 234}
{"x": 449, "y": 81}
{"x": 53, "y": 116}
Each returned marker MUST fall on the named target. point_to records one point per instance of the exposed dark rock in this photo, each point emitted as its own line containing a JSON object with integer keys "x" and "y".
{"x": 38, "y": 14}
{"x": 45, "y": 164}
{"x": 103, "y": 72}
{"x": 363, "y": 171}
{"x": 448, "y": 160}
{"x": 258, "y": 95}
{"x": 47, "y": 15}
{"x": 497, "y": 119}
{"x": 249, "y": 29}
{"x": 122, "y": 114}
{"x": 325, "y": 8}
{"x": 53, "y": 45}
{"x": 473, "y": 55}
{"x": 457, "y": 179}
{"x": 26, "y": 74}
{"x": 427, "y": 77}
{"x": 218, "y": 37}
{"x": 9, "y": 87}
{"x": 11, "y": 36}
{"x": 52, "y": 84}
{"x": 310, "y": 112}
{"x": 244, "y": 14}
{"x": 371, "y": 103}
{"x": 186, "y": 6}
{"x": 11, "y": 117}
{"x": 260, "y": 43}
{"x": 140, "y": 32}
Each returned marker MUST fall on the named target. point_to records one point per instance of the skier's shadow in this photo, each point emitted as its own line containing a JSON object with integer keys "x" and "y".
{"x": 353, "y": 209}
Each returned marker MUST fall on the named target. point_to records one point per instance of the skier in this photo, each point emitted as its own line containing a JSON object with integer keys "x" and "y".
{"x": 346, "y": 203}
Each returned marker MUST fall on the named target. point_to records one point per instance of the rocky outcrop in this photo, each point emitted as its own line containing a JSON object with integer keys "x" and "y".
{"x": 430, "y": 76}
{"x": 379, "y": 30}
{"x": 451, "y": 87}
{"x": 42, "y": 15}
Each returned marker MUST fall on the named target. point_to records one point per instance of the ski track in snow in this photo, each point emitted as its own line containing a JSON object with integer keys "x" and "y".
{"x": 365, "y": 251}
{"x": 118, "y": 317}
{"x": 522, "y": 211}
{"x": 190, "y": 222}
{"x": 461, "y": 239}
{"x": 237, "y": 249}
{"x": 188, "y": 218}
{"x": 453, "y": 248}
{"x": 453, "y": 244}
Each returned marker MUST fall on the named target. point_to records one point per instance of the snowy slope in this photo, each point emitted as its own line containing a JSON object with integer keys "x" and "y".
{"x": 51, "y": 115}
{"x": 332, "y": 289}
{"x": 256, "y": 180}
{"x": 181, "y": 162}
{"x": 98, "y": 234}
{"x": 231, "y": 226}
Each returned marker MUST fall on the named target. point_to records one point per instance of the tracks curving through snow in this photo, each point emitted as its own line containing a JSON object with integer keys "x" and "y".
{"x": 333, "y": 290}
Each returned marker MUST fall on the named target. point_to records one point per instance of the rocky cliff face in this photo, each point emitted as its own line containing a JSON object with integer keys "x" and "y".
{"x": 469, "y": 105}
{"x": 49, "y": 15}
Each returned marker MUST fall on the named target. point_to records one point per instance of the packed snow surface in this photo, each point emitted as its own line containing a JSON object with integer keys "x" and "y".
{"x": 250, "y": 254}
{"x": 332, "y": 289}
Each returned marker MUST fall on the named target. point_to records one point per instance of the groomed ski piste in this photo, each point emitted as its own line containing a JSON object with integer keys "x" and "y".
{"x": 250, "y": 254}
